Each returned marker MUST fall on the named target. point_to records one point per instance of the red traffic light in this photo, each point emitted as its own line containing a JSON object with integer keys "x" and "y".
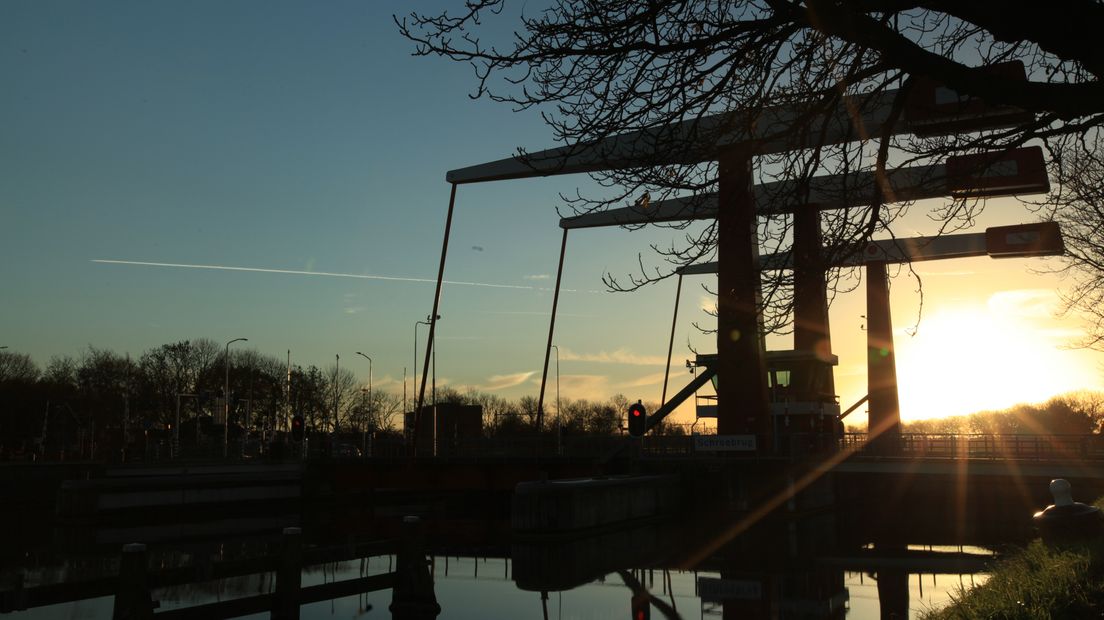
{"x": 641, "y": 606}
{"x": 638, "y": 419}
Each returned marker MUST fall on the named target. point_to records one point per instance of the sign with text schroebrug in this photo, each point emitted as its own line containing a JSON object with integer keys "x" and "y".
{"x": 714, "y": 590}
{"x": 724, "y": 443}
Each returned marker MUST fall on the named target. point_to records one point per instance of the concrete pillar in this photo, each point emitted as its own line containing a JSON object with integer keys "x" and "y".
{"x": 412, "y": 597}
{"x": 742, "y": 388}
{"x": 810, "y": 289}
{"x": 811, "y": 331}
{"x": 132, "y": 594}
{"x": 885, "y": 412}
{"x": 289, "y": 576}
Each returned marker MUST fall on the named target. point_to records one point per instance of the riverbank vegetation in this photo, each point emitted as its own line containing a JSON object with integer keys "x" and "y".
{"x": 1036, "y": 582}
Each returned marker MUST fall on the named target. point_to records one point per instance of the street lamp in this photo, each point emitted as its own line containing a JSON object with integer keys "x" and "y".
{"x": 559, "y": 413}
{"x": 415, "y": 381}
{"x": 433, "y": 382}
{"x": 369, "y": 383}
{"x": 226, "y": 400}
{"x": 337, "y": 379}
{"x": 557, "y": 380}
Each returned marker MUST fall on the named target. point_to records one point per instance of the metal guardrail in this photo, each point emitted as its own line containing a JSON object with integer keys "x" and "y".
{"x": 976, "y": 446}
{"x": 982, "y": 446}
{"x": 915, "y": 445}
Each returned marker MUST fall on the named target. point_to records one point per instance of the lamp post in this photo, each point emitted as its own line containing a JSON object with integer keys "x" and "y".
{"x": 370, "y": 404}
{"x": 557, "y": 380}
{"x": 415, "y": 382}
{"x": 337, "y": 396}
{"x": 226, "y": 400}
{"x": 433, "y": 377}
{"x": 559, "y": 414}
{"x": 434, "y": 386}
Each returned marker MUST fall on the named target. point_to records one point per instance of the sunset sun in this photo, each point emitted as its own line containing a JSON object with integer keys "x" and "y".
{"x": 970, "y": 358}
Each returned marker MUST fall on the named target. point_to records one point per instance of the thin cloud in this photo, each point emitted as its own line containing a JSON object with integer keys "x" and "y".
{"x": 652, "y": 379}
{"x": 501, "y": 382}
{"x": 618, "y": 356}
{"x": 929, "y": 274}
{"x": 538, "y": 276}
{"x": 329, "y": 274}
{"x": 540, "y": 313}
{"x": 1024, "y": 303}
{"x": 385, "y": 381}
{"x": 583, "y": 386}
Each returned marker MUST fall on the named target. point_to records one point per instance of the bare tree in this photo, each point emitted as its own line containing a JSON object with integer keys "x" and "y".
{"x": 17, "y": 367}
{"x": 1077, "y": 203}
{"x": 342, "y": 390}
{"x": 613, "y": 67}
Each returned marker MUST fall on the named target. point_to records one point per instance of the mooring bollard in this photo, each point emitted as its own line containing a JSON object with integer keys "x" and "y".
{"x": 412, "y": 596}
{"x": 1066, "y": 520}
{"x": 289, "y": 576}
{"x": 132, "y": 595}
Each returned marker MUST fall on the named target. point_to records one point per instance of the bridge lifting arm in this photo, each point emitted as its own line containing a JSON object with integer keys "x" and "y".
{"x": 854, "y": 407}
{"x": 676, "y": 400}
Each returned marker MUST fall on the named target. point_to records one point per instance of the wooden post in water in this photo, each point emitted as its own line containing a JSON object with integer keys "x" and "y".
{"x": 289, "y": 577}
{"x": 132, "y": 595}
{"x": 412, "y": 596}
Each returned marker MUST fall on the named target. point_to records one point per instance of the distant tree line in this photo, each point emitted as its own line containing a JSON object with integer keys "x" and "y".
{"x": 104, "y": 398}
{"x": 100, "y": 402}
{"x": 1077, "y": 413}
{"x": 502, "y": 416}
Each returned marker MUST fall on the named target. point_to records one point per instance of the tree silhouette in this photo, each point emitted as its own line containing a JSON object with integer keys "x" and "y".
{"x": 1077, "y": 203}
{"x": 613, "y": 67}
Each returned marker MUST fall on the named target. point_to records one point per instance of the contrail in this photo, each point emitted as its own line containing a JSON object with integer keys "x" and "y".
{"x": 323, "y": 273}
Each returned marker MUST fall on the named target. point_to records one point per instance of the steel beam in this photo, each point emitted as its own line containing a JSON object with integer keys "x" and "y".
{"x": 1020, "y": 171}
{"x": 911, "y": 249}
{"x": 766, "y": 130}
{"x": 837, "y": 191}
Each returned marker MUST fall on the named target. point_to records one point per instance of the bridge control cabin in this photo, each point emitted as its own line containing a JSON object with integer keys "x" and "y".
{"x": 801, "y": 391}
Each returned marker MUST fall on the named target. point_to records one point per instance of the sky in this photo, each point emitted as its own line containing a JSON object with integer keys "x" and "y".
{"x": 303, "y": 146}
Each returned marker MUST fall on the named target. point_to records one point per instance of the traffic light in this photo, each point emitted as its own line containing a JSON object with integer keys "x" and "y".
{"x": 297, "y": 428}
{"x": 641, "y": 608}
{"x": 638, "y": 420}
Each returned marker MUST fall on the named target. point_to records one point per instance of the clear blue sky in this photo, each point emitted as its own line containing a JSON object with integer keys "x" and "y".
{"x": 304, "y": 136}
{"x": 281, "y": 135}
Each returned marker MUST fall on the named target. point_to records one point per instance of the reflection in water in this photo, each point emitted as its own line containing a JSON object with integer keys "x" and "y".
{"x": 807, "y": 567}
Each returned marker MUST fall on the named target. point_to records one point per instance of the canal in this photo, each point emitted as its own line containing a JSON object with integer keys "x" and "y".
{"x": 818, "y": 565}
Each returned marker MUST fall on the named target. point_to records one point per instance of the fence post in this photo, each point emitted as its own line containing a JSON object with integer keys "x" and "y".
{"x": 132, "y": 595}
{"x": 289, "y": 576}
{"x": 412, "y": 596}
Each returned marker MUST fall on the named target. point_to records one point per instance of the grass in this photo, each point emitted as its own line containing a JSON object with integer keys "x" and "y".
{"x": 1036, "y": 582}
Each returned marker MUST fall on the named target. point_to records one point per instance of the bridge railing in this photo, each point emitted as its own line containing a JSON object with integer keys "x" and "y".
{"x": 575, "y": 446}
{"x": 984, "y": 446}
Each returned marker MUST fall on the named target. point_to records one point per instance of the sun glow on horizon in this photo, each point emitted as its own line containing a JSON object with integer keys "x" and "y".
{"x": 971, "y": 358}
